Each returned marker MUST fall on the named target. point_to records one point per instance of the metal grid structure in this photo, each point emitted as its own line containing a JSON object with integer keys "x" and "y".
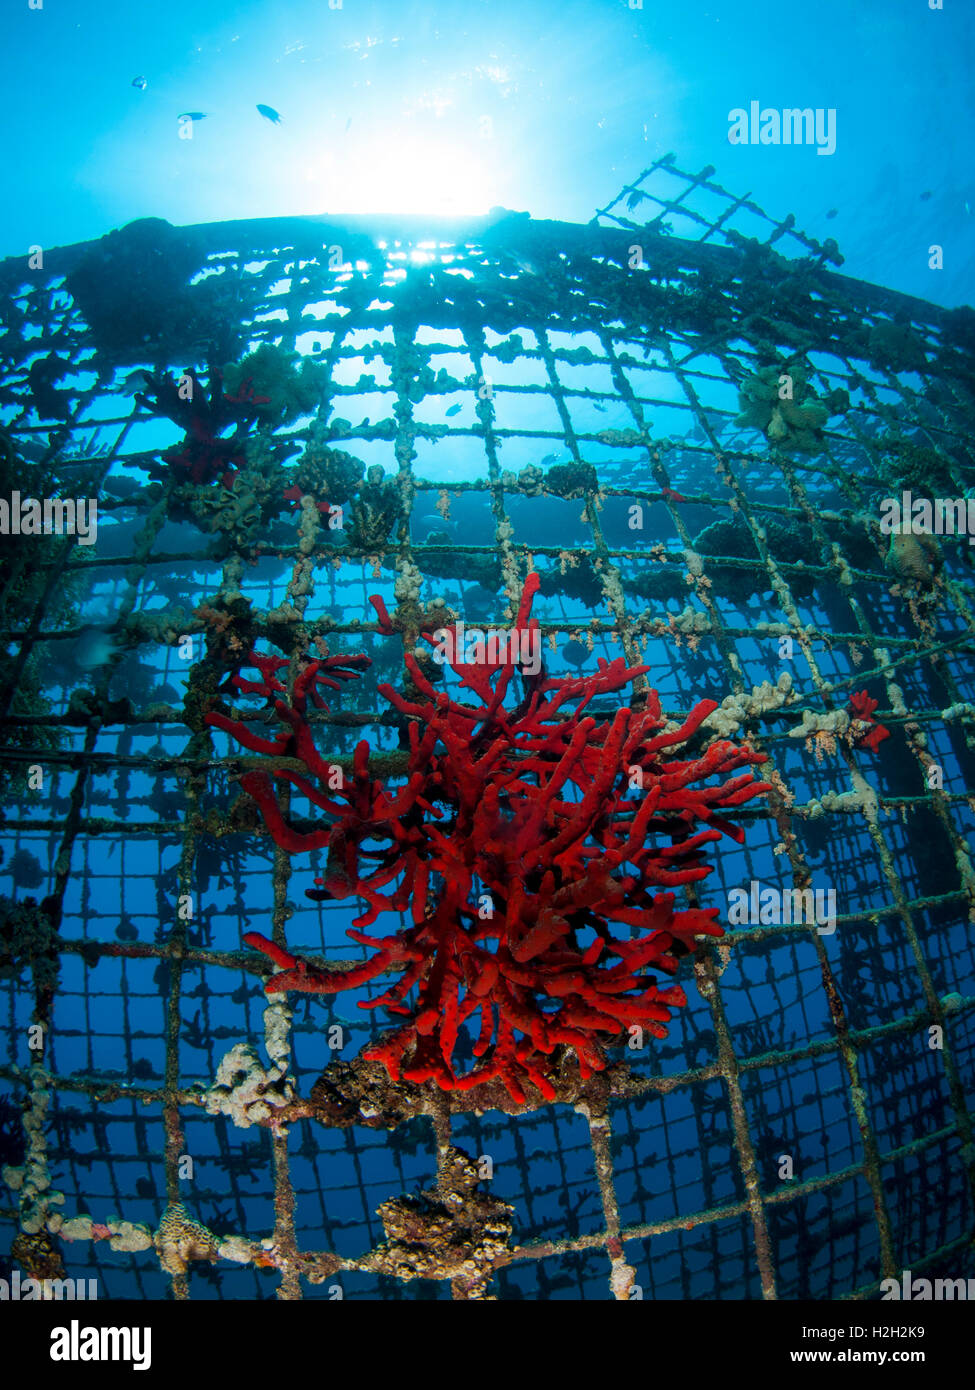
{"x": 520, "y": 391}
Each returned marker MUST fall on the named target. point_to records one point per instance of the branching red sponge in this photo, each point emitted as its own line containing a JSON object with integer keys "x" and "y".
{"x": 533, "y": 847}
{"x": 862, "y": 707}
{"x": 206, "y": 454}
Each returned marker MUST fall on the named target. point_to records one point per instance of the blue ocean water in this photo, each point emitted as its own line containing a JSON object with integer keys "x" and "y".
{"x": 438, "y": 107}
{"x": 441, "y": 108}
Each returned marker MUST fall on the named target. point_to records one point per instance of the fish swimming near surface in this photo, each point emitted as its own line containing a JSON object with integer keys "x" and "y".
{"x": 193, "y": 116}
{"x": 833, "y": 212}
{"x": 140, "y": 83}
{"x": 269, "y": 113}
{"x": 452, "y": 410}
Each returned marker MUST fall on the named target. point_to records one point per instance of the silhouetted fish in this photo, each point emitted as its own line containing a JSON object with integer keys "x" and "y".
{"x": 121, "y": 487}
{"x": 452, "y": 410}
{"x": 925, "y": 195}
{"x": 480, "y": 603}
{"x": 833, "y": 212}
{"x": 192, "y": 116}
{"x": 269, "y": 113}
{"x": 716, "y": 421}
{"x": 576, "y": 654}
{"x": 49, "y": 403}
{"x": 429, "y": 525}
{"x": 140, "y": 83}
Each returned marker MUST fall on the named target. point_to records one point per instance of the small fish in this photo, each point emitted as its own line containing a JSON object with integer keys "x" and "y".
{"x": 833, "y": 212}
{"x": 133, "y": 383}
{"x": 717, "y": 423}
{"x": 269, "y": 113}
{"x": 123, "y": 488}
{"x": 93, "y": 648}
{"x": 480, "y": 603}
{"x": 429, "y": 525}
{"x": 600, "y": 407}
{"x": 575, "y": 654}
{"x": 524, "y": 264}
{"x": 925, "y": 195}
{"x": 140, "y": 83}
{"x": 453, "y": 410}
{"x": 193, "y": 116}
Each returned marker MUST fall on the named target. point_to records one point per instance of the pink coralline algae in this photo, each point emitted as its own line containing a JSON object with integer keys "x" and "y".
{"x": 533, "y": 846}
{"x": 862, "y": 708}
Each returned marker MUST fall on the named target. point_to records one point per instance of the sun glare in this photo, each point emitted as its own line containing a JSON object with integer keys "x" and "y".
{"x": 409, "y": 174}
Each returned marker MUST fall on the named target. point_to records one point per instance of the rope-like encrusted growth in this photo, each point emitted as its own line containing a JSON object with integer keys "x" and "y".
{"x": 525, "y": 834}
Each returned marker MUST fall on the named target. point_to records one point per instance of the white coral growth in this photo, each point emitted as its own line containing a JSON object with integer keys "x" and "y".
{"x": 244, "y": 1089}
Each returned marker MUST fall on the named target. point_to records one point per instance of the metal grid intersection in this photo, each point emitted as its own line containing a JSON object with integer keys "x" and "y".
{"x": 552, "y": 340}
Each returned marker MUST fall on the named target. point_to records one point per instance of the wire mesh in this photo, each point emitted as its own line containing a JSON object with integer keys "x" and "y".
{"x": 587, "y": 401}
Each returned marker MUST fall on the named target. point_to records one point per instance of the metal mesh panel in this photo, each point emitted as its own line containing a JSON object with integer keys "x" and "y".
{"x": 532, "y": 394}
